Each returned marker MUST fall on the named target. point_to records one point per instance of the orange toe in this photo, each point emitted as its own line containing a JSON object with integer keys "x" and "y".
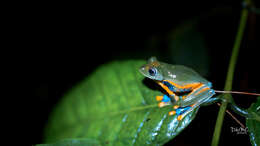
{"x": 159, "y": 98}
{"x": 179, "y": 117}
{"x": 161, "y": 104}
{"x": 172, "y": 113}
{"x": 176, "y": 106}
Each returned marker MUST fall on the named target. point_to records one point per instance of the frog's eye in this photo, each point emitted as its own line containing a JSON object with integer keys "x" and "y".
{"x": 152, "y": 71}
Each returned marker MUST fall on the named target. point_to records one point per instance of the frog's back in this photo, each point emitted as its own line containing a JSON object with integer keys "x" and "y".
{"x": 182, "y": 75}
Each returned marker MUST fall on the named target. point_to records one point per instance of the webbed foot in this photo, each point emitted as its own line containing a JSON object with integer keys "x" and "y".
{"x": 180, "y": 111}
{"x": 165, "y": 100}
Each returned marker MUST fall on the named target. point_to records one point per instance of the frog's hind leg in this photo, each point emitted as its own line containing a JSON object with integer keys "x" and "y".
{"x": 204, "y": 96}
{"x": 198, "y": 95}
{"x": 179, "y": 111}
{"x": 183, "y": 111}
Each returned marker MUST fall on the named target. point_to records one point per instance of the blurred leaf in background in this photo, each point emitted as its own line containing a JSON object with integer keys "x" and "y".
{"x": 188, "y": 47}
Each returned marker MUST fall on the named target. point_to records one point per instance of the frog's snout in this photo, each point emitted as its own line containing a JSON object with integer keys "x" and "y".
{"x": 142, "y": 69}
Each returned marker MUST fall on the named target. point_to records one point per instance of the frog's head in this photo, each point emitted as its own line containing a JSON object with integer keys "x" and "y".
{"x": 152, "y": 69}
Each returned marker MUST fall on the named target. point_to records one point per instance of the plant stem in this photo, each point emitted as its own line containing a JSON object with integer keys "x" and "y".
{"x": 230, "y": 74}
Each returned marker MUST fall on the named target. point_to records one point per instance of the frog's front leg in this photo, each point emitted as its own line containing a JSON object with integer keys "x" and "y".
{"x": 164, "y": 100}
{"x": 171, "y": 88}
{"x": 198, "y": 94}
{"x": 169, "y": 91}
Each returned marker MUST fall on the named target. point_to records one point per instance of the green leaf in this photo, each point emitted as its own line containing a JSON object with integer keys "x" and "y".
{"x": 115, "y": 105}
{"x": 74, "y": 142}
{"x": 254, "y": 125}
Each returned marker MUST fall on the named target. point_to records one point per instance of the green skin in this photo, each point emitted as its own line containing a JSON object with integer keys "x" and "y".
{"x": 179, "y": 75}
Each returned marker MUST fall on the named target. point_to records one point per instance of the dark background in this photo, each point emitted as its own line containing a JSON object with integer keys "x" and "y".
{"x": 62, "y": 43}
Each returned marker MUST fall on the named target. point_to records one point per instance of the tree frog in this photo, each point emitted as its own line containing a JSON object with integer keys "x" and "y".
{"x": 185, "y": 88}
